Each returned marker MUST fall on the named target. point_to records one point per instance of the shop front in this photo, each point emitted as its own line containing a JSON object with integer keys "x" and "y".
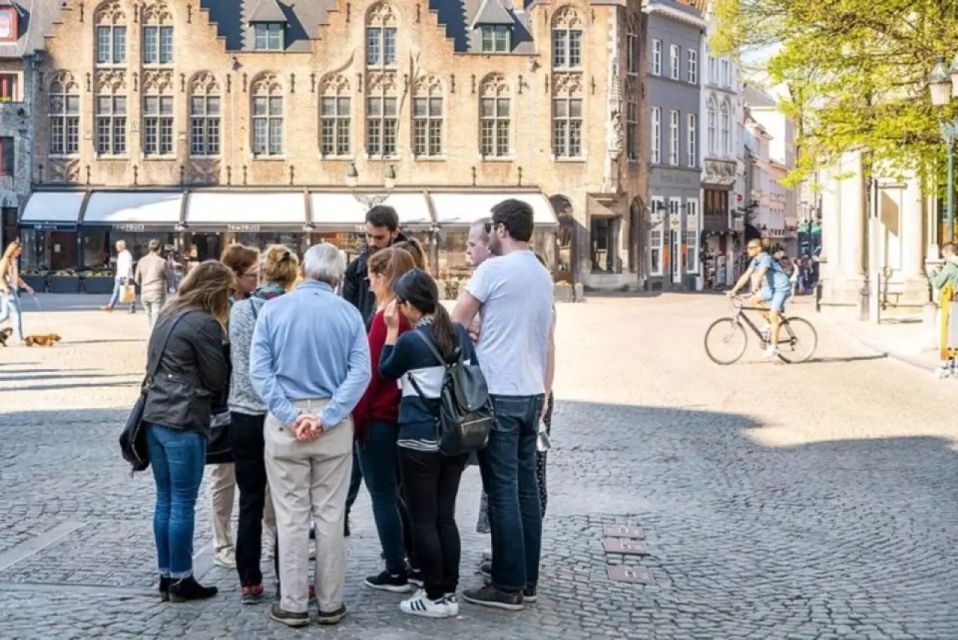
{"x": 48, "y": 233}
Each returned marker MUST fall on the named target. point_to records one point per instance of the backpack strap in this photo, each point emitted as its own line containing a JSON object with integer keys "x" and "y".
{"x": 442, "y": 362}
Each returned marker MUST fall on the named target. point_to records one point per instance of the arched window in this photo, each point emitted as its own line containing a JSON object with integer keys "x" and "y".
{"x": 267, "y": 110}
{"x": 726, "y": 127}
{"x": 495, "y": 117}
{"x": 711, "y": 116}
{"x": 204, "y": 115}
{"x": 427, "y": 117}
{"x": 110, "y": 34}
{"x": 335, "y": 116}
{"x": 157, "y": 34}
{"x": 381, "y": 36}
{"x": 567, "y": 39}
{"x": 64, "y": 115}
{"x": 158, "y": 113}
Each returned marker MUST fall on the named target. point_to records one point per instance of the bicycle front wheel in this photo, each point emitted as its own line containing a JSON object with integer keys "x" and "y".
{"x": 797, "y": 341}
{"x": 725, "y": 341}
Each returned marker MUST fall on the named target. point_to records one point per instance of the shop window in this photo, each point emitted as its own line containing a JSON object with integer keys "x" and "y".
{"x": 8, "y": 87}
{"x": 7, "y": 157}
{"x": 605, "y": 244}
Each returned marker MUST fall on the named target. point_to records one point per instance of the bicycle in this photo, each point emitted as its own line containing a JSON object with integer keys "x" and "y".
{"x": 726, "y": 338}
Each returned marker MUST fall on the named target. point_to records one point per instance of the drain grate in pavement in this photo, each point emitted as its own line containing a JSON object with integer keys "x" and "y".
{"x": 624, "y": 531}
{"x": 622, "y": 573}
{"x": 625, "y": 546}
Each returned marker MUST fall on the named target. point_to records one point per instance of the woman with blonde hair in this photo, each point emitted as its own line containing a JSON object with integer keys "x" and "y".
{"x": 188, "y": 351}
{"x": 10, "y": 283}
{"x": 279, "y": 271}
{"x": 375, "y": 419}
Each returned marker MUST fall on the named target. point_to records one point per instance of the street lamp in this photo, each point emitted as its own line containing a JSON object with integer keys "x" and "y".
{"x": 371, "y": 200}
{"x": 943, "y": 84}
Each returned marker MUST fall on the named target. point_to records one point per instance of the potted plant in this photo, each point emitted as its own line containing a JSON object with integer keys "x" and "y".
{"x": 36, "y": 278}
{"x": 64, "y": 281}
{"x": 98, "y": 281}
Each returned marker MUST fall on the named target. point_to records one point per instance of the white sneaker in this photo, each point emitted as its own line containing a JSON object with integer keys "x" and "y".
{"x": 225, "y": 557}
{"x": 452, "y": 602}
{"x": 942, "y": 372}
{"x": 770, "y": 353}
{"x": 420, "y": 605}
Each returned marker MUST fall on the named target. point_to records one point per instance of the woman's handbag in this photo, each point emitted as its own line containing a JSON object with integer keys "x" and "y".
{"x": 219, "y": 448}
{"x": 133, "y": 437}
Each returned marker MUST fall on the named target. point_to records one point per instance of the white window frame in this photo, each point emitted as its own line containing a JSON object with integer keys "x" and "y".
{"x": 205, "y": 125}
{"x": 675, "y": 62}
{"x": 692, "y": 226}
{"x": 631, "y": 130}
{"x": 674, "y": 119}
{"x": 335, "y": 128}
{"x": 656, "y": 249}
{"x": 564, "y": 54}
{"x": 656, "y": 57}
{"x": 382, "y": 126}
{"x": 273, "y": 34}
{"x": 428, "y": 126}
{"x": 711, "y": 125}
{"x": 726, "y": 127}
{"x": 493, "y": 124}
{"x": 693, "y": 66}
{"x": 110, "y": 136}
{"x": 632, "y": 54}
{"x": 111, "y": 50}
{"x": 724, "y": 79}
{"x": 497, "y": 38}
{"x": 691, "y": 140}
{"x": 656, "y": 156}
{"x": 158, "y": 137}
{"x": 162, "y": 43}
{"x": 64, "y": 121}
{"x": 566, "y": 128}
{"x": 273, "y": 121}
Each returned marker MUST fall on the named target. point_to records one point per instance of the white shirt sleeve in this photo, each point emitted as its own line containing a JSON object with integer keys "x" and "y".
{"x": 482, "y": 282}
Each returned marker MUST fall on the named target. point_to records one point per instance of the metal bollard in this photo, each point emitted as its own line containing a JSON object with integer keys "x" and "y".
{"x": 579, "y": 292}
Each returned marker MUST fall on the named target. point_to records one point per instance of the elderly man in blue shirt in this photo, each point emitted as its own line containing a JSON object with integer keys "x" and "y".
{"x": 310, "y": 364}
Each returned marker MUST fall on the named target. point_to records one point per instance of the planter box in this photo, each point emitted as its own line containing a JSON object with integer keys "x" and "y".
{"x": 563, "y": 293}
{"x": 64, "y": 284}
{"x": 98, "y": 284}
{"x": 38, "y": 283}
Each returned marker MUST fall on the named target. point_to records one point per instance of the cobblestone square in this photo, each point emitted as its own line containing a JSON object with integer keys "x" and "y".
{"x": 775, "y": 501}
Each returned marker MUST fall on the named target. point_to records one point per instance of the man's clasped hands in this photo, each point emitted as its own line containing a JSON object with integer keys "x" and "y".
{"x": 307, "y": 427}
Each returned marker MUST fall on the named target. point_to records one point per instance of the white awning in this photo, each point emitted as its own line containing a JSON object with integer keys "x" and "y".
{"x": 345, "y": 210}
{"x": 465, "y": 208}
{"x": 246, "y": 210}
{"x": 52, "y": 209}
{"x": 134, "y": 210}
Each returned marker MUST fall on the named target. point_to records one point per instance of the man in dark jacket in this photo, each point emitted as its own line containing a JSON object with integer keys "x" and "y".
{"x": 382, "y": 231}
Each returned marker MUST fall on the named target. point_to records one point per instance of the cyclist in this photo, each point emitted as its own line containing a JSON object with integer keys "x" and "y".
{"x": 775, "y": 288}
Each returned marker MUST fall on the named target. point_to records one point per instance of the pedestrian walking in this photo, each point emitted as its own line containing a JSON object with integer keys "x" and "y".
{"x": 247, "y": 417}
{"x": 945, "y": 282}
{"x": 382, "y": 231}
{"x": 192, "y": 369}
{"x": 10, "y": 285}
{"x": 430, "y": 478}
{"x": 155, "y": 278}
{"x": 375, "y": 419}
{"x": 123, "y": 277}
{"x": 310, "y": 364}
{"x": 514, "y": 292}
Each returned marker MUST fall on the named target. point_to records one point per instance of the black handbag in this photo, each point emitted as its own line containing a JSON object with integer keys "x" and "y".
{"x": 133, "y": 437}
{"x": 219, "y": 447}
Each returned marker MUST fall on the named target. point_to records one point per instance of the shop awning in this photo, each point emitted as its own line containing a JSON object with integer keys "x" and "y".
{"x": 52, "y": 210}
{"x": 337, "y": 210}
{"x": 246, "y": 211}
{"x": 133, "y": 210}
{"x": 459, "y": 208}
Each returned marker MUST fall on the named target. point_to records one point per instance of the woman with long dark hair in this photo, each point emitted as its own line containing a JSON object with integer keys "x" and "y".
{"x": 430, "y": 479}
{"x": 193, "y": 369}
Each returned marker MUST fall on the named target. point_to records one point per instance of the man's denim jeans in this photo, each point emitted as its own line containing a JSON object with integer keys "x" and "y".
{"x": 118, "y": 284}
{"x": 508, "y": 466}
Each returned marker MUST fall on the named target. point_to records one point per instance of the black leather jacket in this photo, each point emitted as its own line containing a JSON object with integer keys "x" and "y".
{"x": 193, "y": 371}
{"x": 356, "y": 284}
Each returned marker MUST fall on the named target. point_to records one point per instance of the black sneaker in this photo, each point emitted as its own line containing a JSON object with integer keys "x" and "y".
{"x": 529, "y": 594}
{"x": 165, "y": 588}
{"x": 415, "y": 577}
{"x": 386, "y": 581}
{"x": 486, "y": 568}
{"x": 491, "y": 596}
{"x": 289, "y": 618}
{"x": 331, "y": 617}
{"x": 189, "y": 589}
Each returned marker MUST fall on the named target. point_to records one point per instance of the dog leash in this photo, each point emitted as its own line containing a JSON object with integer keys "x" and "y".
{"x": 36, "y": 301}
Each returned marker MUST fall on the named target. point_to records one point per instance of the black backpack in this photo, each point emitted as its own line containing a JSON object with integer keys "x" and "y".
{"x": 465, "y": 408}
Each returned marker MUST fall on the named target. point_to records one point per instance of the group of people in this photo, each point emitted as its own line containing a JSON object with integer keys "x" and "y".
{"x": 332, "y": 375}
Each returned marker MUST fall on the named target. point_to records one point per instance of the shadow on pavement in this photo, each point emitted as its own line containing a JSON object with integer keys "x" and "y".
{"x": 826, "y": 360}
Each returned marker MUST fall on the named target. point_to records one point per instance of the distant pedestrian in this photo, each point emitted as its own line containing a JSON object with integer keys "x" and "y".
{"x": 192, "y": 369}
{"x": 430, "y": 478}
{"x": 123, "y": 276}
{"x": 248, "y": 415}
{"x": 945, "y": 282}
{"x": 310, "y": 364}
{"x": 10, "y": 284}
{"x": 514, "y": 292}
{"x": 155, "y": 278}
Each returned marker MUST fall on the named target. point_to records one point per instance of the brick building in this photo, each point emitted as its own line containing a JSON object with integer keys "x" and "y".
{"x": 204, "y": 121}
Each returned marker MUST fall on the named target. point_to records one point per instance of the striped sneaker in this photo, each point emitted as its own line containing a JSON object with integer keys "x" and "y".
{"x": 420, "y": 605}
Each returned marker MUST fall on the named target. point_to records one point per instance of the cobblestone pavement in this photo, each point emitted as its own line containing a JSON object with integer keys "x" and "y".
{"x": 776, "y": 501}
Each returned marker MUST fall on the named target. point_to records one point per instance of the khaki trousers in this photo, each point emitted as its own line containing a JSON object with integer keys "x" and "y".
{"x": 308, "y": 481}
{"x": 222, "y": 494}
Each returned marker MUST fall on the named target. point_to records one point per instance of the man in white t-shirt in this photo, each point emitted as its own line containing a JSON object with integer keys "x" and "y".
{"x": 124, "y": 276}
{"x": 513, "y": 294}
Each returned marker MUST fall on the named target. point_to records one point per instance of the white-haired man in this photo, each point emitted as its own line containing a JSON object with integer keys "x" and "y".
{"x": 310, "y": 364}
{"x": 124, "y": 276}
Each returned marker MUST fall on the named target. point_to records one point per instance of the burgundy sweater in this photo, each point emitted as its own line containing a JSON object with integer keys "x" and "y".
{"x": 380, "y": 403}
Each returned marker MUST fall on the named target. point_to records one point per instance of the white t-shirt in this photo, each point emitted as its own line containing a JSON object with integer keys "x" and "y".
{"x": 516, "y": 295}
{"x": 124, "y": 264}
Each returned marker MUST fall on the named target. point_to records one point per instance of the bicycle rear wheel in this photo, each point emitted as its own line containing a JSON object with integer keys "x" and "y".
{"x": 725, "y": 341}
{"x": 797, "y": 340}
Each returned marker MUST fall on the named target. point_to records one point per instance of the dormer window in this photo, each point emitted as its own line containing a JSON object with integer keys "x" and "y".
{"x": 8, "y": 24}
{"x": 496, "y": 38}
{"x": 269, "y": 36}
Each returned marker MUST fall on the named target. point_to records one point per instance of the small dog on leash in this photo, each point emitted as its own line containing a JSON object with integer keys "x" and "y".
{"x": 47, "y": 340}
{"x": 5, "y": 334}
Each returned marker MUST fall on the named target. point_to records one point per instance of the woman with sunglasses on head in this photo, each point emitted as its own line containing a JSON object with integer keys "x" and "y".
{"x": 430, "y": 479}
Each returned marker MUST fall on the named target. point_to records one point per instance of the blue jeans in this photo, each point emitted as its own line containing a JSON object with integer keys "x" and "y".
{"x": 118, "y": 284}
{"x": 379, "y": 458}
{"x": 10, "y": 308}
{"x": 508, "y": 466}
{"x": 177, "y": 458}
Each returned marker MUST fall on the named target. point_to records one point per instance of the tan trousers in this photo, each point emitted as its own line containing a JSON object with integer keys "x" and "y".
{"x": 222, "y": 494}
{"x": 309, "y": 481}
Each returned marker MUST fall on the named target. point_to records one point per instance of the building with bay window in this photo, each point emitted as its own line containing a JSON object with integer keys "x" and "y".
{"x": 205, "y": 121}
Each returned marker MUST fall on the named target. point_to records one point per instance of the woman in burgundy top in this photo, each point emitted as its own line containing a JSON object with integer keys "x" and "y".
{"x": 375, "y": 419}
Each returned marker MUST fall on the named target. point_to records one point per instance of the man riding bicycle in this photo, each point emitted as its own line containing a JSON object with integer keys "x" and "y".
{"x": 775, "y": 289}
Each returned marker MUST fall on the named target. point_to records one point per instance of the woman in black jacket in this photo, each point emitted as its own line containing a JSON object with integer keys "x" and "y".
{"x": 193, "y": 369}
